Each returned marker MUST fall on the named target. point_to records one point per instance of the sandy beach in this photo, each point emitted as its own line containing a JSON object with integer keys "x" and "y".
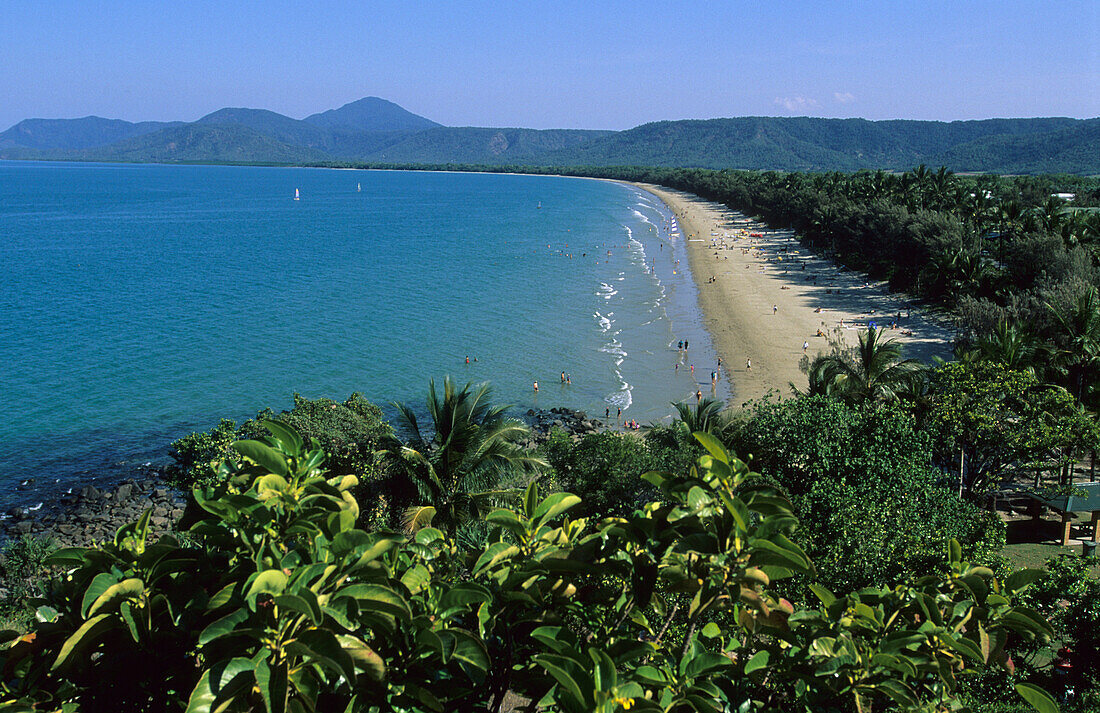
{"x": 764, "y": 296}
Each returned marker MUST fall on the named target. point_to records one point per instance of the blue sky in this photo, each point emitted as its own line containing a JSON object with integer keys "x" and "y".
{"x": 565, "y": 64}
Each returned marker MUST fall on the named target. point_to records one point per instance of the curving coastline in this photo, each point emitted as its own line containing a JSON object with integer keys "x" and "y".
{"x": 763, "y": 296}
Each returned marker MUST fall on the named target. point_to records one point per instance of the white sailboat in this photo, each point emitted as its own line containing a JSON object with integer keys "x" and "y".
{"x": 539, "y": 205}
{"x": 358, "y": 187}
{"x": 297, "y": 196}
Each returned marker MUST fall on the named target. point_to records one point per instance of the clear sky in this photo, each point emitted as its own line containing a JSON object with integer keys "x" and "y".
{"x": 564, "y": 64}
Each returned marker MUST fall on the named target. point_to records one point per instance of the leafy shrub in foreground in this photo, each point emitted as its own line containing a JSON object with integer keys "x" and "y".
{"x": 285, "y": 606}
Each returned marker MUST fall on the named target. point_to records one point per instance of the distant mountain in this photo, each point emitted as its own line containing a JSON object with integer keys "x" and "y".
{"x": 202, "y": 142}
{"x": 482, "y": 145}
{"x": 801, "y": 143}
{"x": 373, "y": 130}
{"x": 279, "y": 127}
{"x": 1075, "y": 149}
{"x": 370, "y": 114}
{"x": 45, "y": 134}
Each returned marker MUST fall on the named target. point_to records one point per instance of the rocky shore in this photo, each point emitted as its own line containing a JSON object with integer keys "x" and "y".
{"x": 574, "y": 423}
{"x": 94, "y": 514}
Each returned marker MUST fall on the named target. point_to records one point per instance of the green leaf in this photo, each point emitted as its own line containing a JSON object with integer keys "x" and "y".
{"x": 1039, "y": 699}
{"x": 285, "y": 434}
{"x": 100, "y": 584}
{"x": 377, "y": 596}
{"x": 273, "y": 686}
{"x": 66, "y": 557}
{"x": 1029, "y": 620}
{"x": 1019, "y": 580}
{"x": 220, "y": 683}
{"x": 323, "y": 644}
{"x": 954, "y": 551}
{"x": 965, "y": 646}
{"x": 758, "y": 661}
{"x": 126, "y": 589}
{"x": 463, "y": 595}
{"x": 554, "y": 505}
{"x": 295, "y": 603}
{"x": 565, "y": 680}
{"x": 223, "y": 626}
{"x": 82, "y": 638}
{"x": 270, "y": 581}
{"x": 713, "y": 446}
{"x": 263, "y": 455}
{"x": 827, "y": 598}
{"x": 711, "y": 630}
{"x": 221, "y": 597}
{"x": 364, "y": 657}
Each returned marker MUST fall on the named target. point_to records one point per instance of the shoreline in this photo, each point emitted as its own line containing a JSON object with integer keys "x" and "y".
{"x": 763, "y": 295}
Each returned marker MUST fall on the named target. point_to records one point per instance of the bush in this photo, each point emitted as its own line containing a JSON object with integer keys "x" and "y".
{"x": 351, "y": 432}
{"x": 605, "y": 469}
{"x": 874, "y": 511}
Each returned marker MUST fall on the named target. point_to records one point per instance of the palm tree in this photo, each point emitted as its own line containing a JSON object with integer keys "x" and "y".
{"x": 708, "y": 415}
{"x": 456, "y": 469}
{"x": 876, "y": 372}
{"x": 1080, "y": 360}
{"x": 1009, "y": 345}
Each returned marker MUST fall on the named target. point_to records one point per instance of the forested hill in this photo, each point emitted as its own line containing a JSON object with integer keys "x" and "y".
{"x": 373, "y": 130}
{"x": 809, "y": 144}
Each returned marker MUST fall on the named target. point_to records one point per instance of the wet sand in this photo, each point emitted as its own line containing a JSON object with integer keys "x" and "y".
{"x": 763, "y": 296}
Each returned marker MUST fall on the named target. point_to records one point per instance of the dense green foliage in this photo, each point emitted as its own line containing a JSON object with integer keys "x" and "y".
{"x": 283, "y": 605}
{"x": 604, "y": 468}
{"x": 873, "y": 509}
{"x": 350, "y": 433}
{"x": 998, "y": 419}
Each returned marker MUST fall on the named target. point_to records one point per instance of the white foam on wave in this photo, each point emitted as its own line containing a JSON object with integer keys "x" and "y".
{"x": 642, "y": 217}
{"x": 604, "y": 321}
{"x": 606, "y": 291}
{"x": 621, "y": 398}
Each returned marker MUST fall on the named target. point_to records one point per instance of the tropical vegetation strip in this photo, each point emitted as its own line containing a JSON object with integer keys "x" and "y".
{"x": 837, "y": 550}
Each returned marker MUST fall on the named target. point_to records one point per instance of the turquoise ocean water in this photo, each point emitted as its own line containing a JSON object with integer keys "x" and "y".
{"x": 141, "y": 302}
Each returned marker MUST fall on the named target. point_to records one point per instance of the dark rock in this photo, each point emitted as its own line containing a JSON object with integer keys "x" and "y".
{"x": 158, "y": 521}
{"x": 18, "y": 513}
{"x": 124, "y": 492}
{"x": 90, "y": 492}
{"x": 160, "y": 492}
{"x": 23, "y": 527}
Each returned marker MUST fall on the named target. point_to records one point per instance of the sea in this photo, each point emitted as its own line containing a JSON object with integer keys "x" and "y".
{"x": 139, "y": 303}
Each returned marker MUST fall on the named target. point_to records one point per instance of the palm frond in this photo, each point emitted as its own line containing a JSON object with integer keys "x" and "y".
{"x": 417, "y": 517}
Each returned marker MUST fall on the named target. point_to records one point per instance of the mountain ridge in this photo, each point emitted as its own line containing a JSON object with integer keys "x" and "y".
{"x": 376, "y": 131}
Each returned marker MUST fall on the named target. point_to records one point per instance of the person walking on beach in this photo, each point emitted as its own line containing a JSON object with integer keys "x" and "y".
{"x": 748, "y": 363}
{"x": 693, "y": 370}
{"x": 713, "y": 379}
{"x": 685, "y": 345}
{"x": 775, "y": 308}
{"x": 607, "y": 412}
{"x": 563, "y": 377}
{"x": 619, "y": 412}
{"x": 698, "y": 395}
{"x": 805, "y": 346}
{"x": 680, "y": 345}
{"x": 536, "y": 387}
{"x": 719, "y": 363}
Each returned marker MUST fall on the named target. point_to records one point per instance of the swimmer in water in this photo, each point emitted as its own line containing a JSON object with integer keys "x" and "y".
{"x": 536, "y": 387}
